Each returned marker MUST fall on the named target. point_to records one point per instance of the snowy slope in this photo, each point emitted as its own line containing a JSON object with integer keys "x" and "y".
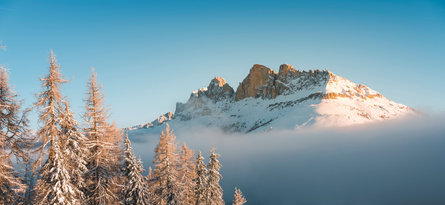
{"x": 289, "y": 99}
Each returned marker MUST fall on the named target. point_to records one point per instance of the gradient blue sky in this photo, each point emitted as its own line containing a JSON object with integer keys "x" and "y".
{"x": 151, "y": 54}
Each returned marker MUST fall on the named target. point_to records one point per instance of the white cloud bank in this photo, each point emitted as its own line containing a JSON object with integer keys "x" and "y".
{"x": 390, "y": 163}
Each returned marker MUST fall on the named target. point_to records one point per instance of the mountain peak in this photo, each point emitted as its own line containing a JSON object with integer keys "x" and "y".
{"x": 258, "y": 83}
{"x": 263, "y": 82}
{"x": 218, "y": 89}
{"x": 288, "y": 99}
{"x": 218, "y": 81}
{"x": 285, "y": 69}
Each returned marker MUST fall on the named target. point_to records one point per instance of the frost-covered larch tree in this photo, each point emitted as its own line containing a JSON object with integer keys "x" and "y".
{"x": 74, "y": 148}
{"x": 166, "y": 186}
{"x": 200, "y": 181}
{"x": 54, "y": 185}
{"x": 238, "y": 198}
{"x": 13, "y": 141}
{"x": 100, "y": 178}
{"x": 214, "y": 193}
{"x": 135, "y": 189}
{"x": 187, "y": 174}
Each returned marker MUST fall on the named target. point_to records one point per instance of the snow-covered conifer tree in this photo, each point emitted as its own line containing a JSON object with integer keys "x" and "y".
{"x": 13, "y": 141}
{"x": 238, "y": 198}
{"x": 187, "y": 174}
{"x": 201, "y": 181}
{"x": 74, "y": 148}
{"x": 214, "y": 193}
{"x": 101, "y": 175}
{"x": 166, "y": 184}
{"x": 54, "y": 185}
{"x": 135, "y": 189}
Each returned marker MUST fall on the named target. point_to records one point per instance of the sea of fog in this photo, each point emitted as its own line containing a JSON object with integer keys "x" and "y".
{"x": 396, "y": 162}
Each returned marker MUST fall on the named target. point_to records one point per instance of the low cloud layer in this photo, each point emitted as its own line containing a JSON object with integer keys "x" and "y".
{"x": 391, "y": 163}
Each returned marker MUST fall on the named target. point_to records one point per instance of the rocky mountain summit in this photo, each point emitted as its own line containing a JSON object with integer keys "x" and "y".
{"x": 263, "y": 82}
{"x": 289, "y": 99}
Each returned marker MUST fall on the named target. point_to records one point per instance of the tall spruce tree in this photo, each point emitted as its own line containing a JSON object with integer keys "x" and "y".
{"x": 74, "y": 148}
{"x": 166, "y": 184}
{"x": 54, "y": 185}
{"x": 135, "y": 189}
{"x": 214, "y": 193}
{"x": 201, "y": 181}
{"x": 100, "y": 178}
{"x": 13, "y": 141}
{"x": 238, "y": 198}
{"x": 187, "y": 174}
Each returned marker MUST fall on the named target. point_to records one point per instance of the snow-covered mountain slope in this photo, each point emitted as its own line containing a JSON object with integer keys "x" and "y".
{"x": 289, "y": 99}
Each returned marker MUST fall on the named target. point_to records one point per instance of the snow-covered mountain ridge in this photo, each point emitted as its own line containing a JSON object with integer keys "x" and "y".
{"x": 288, "y": 99}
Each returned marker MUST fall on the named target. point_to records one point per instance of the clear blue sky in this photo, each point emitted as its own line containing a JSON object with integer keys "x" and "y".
{"x": 151, "y": 54}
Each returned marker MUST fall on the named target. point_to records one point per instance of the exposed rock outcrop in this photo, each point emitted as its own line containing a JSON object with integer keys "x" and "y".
{"x": 218, "y": 90}
{"x": 163, "y": 118}
{"x": 263, "y": 82}
{"x": 259, "y": 83}
{"x": 287, "y": 71}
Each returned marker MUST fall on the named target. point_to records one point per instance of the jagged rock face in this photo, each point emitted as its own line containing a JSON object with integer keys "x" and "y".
{"x": 218, "y": 89}
{"x": 285, "y": 75}
{"x": 259, "y": 83}
{"x": 290, "y": 80}
{"x": 286, "y": 71}
{"x": 263, "y": 82}
{"x": 163, "y": 118}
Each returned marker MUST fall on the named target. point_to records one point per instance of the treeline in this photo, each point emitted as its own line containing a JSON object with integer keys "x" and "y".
{"x": 65, "y": 163}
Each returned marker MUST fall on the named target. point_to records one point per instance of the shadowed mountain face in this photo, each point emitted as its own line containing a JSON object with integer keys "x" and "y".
{"x": 289, "y": 99}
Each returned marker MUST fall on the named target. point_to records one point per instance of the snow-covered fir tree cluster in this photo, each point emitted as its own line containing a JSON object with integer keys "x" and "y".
{"x": 68, "y": 164}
